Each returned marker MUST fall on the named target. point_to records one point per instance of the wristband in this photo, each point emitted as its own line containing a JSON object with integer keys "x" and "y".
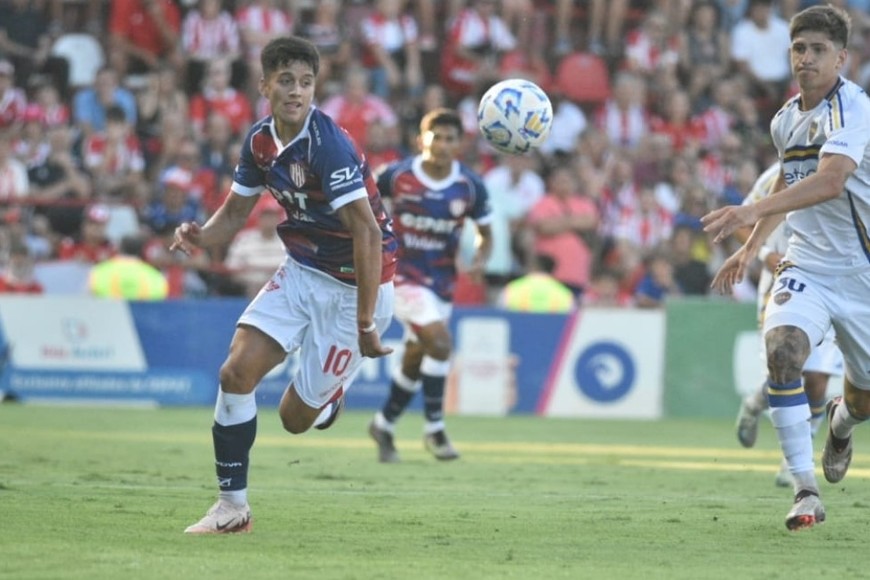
{"x": 369, "y": 329}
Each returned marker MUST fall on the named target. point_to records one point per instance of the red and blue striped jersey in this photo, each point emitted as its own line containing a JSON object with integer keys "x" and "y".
{"x": 313, "y": 176}
{"x": 429, "y": 215}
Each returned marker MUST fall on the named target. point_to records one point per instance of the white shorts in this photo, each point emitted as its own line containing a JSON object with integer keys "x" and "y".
{"x": 305, "y": 309}
{"x": 816, "y": 302}
{"x": 417, "y": 306}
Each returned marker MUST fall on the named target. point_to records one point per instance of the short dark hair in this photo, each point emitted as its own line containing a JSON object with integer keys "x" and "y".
{"x": 286, "y": 49}
{"x": 132, "y": 245}
{"x": 830, "y": 20}
{"x": 116, "y": 113}
{"x": 441, "y": 116}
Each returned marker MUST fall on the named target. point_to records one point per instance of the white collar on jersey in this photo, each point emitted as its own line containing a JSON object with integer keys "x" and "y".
{"x": 434, "y": 184}
{"x": 302, "y": 133}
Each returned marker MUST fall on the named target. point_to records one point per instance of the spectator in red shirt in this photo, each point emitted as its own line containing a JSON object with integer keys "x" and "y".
{"x": 381, "y": 147}
{"x": 677, "y": 124}
{"x": 624, "y": 116}
{"x": 391, "y": 50}
{"x": 259, "y": 22}
{"x": 562, "y": 223}
{"x": 209, "y": 32}
{"x": 218, "y": 96}
{"x": 203, "y": 187}
{"x": 92, "y": 245}
{"x": 651, "y": 50}
{"x": 12, "y": 99}
{"x": 17, "y": 277}
{"x": 114, "y": 158}
{"x": 475, "y": 40}
{"x": 142, "y": 32}
{"x": 355, "y": 108}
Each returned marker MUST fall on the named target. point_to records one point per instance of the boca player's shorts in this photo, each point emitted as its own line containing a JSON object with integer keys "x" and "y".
{"x": 815, "y": 302}
{"x": 306, "y": 310}
{"x": 418, "y": 306}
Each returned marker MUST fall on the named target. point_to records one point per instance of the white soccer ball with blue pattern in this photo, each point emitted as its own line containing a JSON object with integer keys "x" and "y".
{"x": 515, "y": 116}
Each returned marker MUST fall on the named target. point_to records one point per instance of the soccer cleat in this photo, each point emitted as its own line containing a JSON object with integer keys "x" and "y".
{"x": 784, "y": 478}
{"x": 439, "y": 445}
{"x": 747, "y": 424}
{"x": 223, "y": 518}
{"x": 806, "y": 512}
{"x": 386, "y": 448}
{"x": 837, "y": 454}
{"x": 337, "y": 408}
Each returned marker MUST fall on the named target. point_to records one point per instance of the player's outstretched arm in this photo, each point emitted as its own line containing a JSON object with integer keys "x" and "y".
{"x": 219, "y": 229}
{"x": 358, "y": 218}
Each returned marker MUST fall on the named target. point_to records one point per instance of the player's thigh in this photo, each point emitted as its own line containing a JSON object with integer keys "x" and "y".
{"x": 826, "y": 358}
{"x": 801, "y": 300}
{"x": 417, "y": 307}
{"x": 852, "y": 325}
{"x": 279, "y": 310}
{"x": 252, "y": 354}
{"x": 329, "y": 356}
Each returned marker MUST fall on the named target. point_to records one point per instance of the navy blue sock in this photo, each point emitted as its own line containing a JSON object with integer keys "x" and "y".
{"x": 433, "y": 397}
{"x": 232, "y": 446}
{"x": 397, "y": 403}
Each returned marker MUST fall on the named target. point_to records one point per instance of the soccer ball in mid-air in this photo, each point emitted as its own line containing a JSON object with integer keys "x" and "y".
{"x": 514, "y": 116}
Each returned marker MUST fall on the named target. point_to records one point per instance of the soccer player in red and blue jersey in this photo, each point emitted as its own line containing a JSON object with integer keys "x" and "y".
{"x": 330, "y": 299}
{"x": 431, "y": 195}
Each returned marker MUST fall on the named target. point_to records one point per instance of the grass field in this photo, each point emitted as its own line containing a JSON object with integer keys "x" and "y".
{"x": 105, "y": 494}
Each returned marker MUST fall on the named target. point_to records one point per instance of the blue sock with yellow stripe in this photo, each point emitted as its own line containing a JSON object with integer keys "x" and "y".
{"x": 790, "y": 414}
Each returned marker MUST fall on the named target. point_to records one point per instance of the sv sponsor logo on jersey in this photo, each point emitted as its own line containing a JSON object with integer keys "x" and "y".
{"x": 424, "y": 223}
{"x": 343, "y": 177}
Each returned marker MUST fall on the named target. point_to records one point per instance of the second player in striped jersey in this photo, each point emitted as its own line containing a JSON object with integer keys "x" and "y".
{"x": 431, "y": 194}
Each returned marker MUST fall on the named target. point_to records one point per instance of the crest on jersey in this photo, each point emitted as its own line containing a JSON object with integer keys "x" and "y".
{"x": 297, "y": 174}
{"x": 814, "y": 129}
{"x": 456, "y": 207}
{"x": 782, "y": 298}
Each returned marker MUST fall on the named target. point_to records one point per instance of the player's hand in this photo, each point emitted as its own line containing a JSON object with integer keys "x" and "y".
{"x": 731, "y": 272}
{"x": 370, "y": 345}
{"x": 186, "y": 237}
{"x": 722, "y": 222}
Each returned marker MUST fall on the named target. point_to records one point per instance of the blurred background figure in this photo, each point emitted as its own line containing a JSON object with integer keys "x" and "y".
{"x": 538, "y": 291}
{"x": 17, "y": 276}
{"x": 564, "y": 223}
{"x": 142, "y": 33}
{"x": 127, "y": 276}
{"x": 259, "y": 21}
{"x": 391, "y": 50}
{"x": 256, "y": 252}
{"x": 91, "y": 245}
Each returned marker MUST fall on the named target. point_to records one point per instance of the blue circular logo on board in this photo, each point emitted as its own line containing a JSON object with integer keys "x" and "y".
{"x": 605, "y": 372}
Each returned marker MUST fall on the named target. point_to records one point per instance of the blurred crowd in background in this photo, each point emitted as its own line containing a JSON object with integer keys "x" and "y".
{"x": 119, "y": 119}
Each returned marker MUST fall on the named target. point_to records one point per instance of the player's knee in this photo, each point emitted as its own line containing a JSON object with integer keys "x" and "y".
{"x": 232, "y": 380}
{"x": 294, "y": 425}
{"x": 858, "y": 403}
{"x": 787, "y": 350}
{"x": 438, "y": 348}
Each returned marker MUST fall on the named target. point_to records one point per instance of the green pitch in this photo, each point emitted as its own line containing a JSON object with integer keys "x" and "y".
{"x": 98, "y": 493}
